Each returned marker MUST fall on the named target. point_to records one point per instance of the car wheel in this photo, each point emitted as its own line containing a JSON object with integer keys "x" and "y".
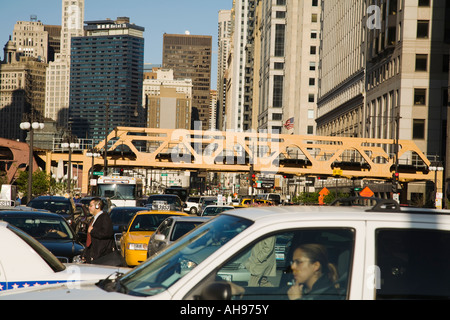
{"x": 193, "y": 210}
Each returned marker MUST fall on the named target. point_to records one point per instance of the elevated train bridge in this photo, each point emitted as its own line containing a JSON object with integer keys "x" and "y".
{"x": 215, "y": 151}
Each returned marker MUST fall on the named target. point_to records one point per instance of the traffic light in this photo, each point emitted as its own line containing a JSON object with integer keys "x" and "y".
{"x": 121, "y": 172}
{"x": 288, "y": 176}
{"x": 395, "y": 179}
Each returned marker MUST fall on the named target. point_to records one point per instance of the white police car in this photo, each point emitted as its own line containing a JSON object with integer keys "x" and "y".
{"x": 25, "y": 263}
{"x": 379, "y": 253}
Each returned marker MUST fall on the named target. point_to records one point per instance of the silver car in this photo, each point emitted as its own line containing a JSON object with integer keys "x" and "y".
{"x": 170, "y": 230}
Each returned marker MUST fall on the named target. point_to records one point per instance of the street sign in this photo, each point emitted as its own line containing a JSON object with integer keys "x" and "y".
{"x": 324, "y": 192}
{"x": 164, "y": 174}
{"x": 337, "y": 172}
{"x": 367, "y": 193}
{"x": 99, "y": 173}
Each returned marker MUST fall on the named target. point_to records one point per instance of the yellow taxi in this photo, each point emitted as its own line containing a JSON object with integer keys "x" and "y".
{"x": 134, "y": 240}
{"x": 247, "y": 202}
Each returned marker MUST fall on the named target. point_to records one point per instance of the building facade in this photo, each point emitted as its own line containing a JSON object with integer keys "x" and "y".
{"x": 31, "y": 39}
{"x": 57, "y": 90}
{"x": 106, "y": 78}
{"x": 301, "y": 67}
{"x": 224, "y": 39}
{"x": 190, "y": 57}
{"x": 22, "y": 89}
{"x": 168, "y": 101}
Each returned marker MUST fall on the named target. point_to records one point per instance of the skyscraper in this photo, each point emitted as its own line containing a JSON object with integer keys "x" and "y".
{"x": 107, "y": 75}
{"x": 58, "y": 72}
{"x": 190, "y": 58}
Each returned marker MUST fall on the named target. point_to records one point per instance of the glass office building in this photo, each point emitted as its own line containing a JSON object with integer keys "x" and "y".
{"x": 106, "y": 78}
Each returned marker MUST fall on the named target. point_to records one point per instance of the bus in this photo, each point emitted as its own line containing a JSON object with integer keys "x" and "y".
{"x": 123, "y": 191}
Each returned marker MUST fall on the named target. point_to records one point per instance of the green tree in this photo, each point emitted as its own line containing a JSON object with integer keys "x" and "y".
{"x": 41, "y": 183}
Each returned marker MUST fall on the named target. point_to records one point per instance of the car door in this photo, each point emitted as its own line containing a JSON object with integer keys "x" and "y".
{"x": 3, "y": 282}
{"x": 272, "y": 279}
{"x": 407, "y": 260}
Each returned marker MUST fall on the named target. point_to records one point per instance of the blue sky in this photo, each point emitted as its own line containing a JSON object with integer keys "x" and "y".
{"x": 200, "y": 17}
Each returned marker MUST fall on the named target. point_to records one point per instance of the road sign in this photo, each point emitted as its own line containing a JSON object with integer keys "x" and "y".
{"x": 99, "y": 173}
{"x": 337, "y": 172}
{"x": 367, "y": 193}
{"x": 324, "y": 192}
{"x": 164, "y": 174}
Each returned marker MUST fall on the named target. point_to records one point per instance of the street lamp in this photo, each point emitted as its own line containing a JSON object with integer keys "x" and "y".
{"x": 31, "y": 124}
{"x": 70, "y": 142}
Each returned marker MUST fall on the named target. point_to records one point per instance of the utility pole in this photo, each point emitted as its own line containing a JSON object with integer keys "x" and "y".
{"x": 105, "y": 166}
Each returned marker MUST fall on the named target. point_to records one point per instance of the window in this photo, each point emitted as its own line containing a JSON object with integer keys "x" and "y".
{"x": 421, "y": 62}
{"x": 314, "y": 17}
{"x": 418, "y": 129}
{"x": 278, "y": 91}
{"x": 279, "y": 40}
{"x": 413, "y": 264}
{"x": 420, "y": 96}
{"x": 423, "y": 29}
{"x": 271, "y": 277}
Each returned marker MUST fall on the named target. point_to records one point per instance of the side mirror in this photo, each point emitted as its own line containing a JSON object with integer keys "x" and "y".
{"x": 217, "y": 291}
{"x": 123, "y": 228}
{"x": 160, "y": 237}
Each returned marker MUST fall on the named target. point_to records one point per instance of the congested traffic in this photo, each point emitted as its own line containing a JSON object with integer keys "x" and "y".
{"x": 368, "y": 249}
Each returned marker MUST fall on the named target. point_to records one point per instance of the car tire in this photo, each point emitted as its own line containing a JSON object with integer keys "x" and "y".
{"x": 193, "y": 211}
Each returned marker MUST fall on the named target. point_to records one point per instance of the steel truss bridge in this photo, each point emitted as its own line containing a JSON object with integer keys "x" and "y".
{"x": 216, "y": 151}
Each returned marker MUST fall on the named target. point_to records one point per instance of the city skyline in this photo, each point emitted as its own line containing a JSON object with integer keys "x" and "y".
{"x": 199, "y": 17}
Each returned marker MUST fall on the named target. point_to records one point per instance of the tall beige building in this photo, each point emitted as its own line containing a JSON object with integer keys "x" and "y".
{"x": 168, "y": 101}
{"x": 58, "y": 73}
{"x": 301, "y": 66}
{"x": 22, "y": 83}
{"x": 224, "y": 47}
{"x": 31, "y": 39}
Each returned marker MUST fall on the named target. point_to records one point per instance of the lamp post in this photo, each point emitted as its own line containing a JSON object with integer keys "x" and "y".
{"x": 437, "y": 167}
{"x": 70, "y": 142}
{"x": 31, "y": 124}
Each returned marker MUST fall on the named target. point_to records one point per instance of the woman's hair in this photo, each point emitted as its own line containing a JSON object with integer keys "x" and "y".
{"x": 317, "y": 252}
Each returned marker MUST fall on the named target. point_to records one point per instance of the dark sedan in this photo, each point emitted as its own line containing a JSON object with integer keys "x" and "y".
{"x": 50, "y": 229}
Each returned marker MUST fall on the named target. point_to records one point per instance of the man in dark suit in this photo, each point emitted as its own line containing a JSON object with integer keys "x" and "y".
{"x": 100, "y": 237}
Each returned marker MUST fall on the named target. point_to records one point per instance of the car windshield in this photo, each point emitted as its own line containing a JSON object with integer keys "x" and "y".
{"x": 60, "y": 207}
{"x": 124, "y": 215}
{"x": 117, "y": 191}
{"x": 147, "y": 222}
{"x": 42, "y": 228}
{"x": 167, "y": 199}
{"x": 212, "y": 211}
{"x": 157, "y": 274}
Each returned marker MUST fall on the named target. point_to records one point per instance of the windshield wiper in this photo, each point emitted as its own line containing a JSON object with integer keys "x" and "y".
{"x": 113, "y": 285}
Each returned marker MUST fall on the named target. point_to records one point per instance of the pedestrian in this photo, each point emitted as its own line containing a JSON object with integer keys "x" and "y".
{"x": 100, "y": 235}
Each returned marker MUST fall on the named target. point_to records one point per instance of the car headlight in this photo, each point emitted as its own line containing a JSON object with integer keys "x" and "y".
{"x": 138, "y": 246}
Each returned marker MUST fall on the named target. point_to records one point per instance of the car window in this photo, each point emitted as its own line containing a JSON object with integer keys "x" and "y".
{"x": 42, "y": 228}
{"x": 181, "y": 228}
{"x": 263, "y": 270}
{"x": 60, "y": 207}
{"x": 46, "y": 255}
{"x": 413, "y": 264}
